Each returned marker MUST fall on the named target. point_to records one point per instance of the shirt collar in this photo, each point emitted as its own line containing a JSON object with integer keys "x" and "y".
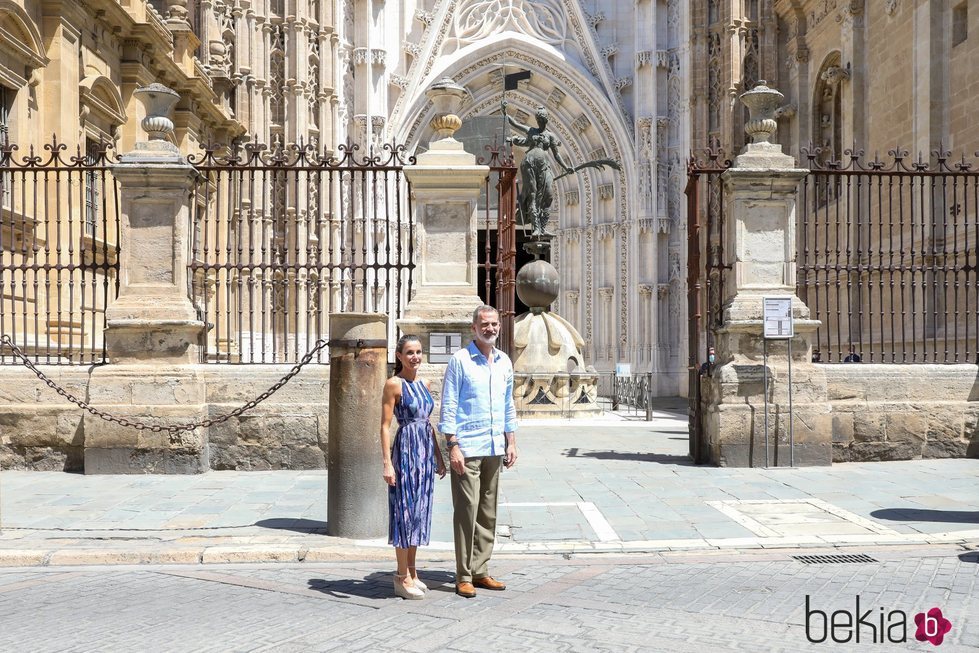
{"x": 474, "y": 351}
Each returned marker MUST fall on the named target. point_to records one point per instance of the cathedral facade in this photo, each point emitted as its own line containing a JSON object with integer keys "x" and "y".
{"x": 642, "y": 82}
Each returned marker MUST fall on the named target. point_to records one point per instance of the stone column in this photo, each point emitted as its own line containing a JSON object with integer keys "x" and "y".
{"x": 153, "y": 332}
{"x": 357, "y": 497}
{"x": 445, "y": 184}
{"x": 760, "y": 255}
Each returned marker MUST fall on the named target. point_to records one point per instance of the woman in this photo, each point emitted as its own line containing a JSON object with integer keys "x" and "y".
{"x": 410, "y": 465}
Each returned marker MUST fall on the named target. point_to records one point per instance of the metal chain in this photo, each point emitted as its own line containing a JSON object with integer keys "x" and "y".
{"x": 175, "y": 429}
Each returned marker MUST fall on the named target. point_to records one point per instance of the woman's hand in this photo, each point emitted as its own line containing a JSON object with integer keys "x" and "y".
{"x": 440, "y": 466}
{"x": 388, "y": 474}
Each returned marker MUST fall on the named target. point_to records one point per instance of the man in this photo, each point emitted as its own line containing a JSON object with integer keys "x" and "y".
{"x": 478, "y": 420}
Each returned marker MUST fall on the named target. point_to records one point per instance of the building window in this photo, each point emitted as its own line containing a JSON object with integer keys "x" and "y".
{"x": 960, "y": 23}
{"x": 91, "y": 188}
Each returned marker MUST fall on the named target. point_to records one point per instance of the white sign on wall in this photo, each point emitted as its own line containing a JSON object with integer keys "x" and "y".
{"x": 778, "y": 317}
{"x": 441, "y": 346}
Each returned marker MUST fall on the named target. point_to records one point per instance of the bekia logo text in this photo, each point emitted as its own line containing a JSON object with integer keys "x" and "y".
{"x": 873, "y": 626}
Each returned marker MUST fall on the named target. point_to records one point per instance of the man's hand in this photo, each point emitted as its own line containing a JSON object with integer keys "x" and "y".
{"x": 457, "y": 461}
{"x": 510, "y": 457}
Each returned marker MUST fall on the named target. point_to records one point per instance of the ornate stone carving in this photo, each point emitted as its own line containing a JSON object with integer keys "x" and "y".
{"x": 399, "y": 80}
{"x": 571, "y": 198}
{"x": 572, "y": 234}
{"x": 581, "y": 123}
{"x": 609, "y": 50}
{"x": 606, "y": 292}
{"x": 598, "y": 153}
{"x": 606, "y": 191}
{"x": 545, "y": 20}
{"x": 644, "y": 58}
{"x": 571, "y": 296}
{"x": 412, "y": 49}
{"x": 555, "y": 97}
{"x": 424, "y": 17}
{"x": 606, "y": 230}
{"x": 622, "y": 82}
{"x": 594, "y": 19}
{"x": 890, "y": 6}
{"x": 834, "y": 75}
{"x": 646, "y": 290}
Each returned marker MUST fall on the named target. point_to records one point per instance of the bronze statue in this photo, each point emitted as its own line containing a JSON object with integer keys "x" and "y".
{"x": 536, "y": 177}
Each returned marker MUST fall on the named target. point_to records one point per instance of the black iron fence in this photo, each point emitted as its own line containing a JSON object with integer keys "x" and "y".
{"x": 59, "y": 250}
{"x": 284, "y": 237}
{"x": 886, "y": 256}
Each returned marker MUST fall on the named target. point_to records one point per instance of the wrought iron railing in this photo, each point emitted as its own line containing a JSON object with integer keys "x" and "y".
{"x": 887, "y": 256}
{"x": 59, "y": 251}
{"x": 283, "y": 237}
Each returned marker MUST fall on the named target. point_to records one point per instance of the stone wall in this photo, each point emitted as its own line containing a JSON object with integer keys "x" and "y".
{"x": 39, "y": 430}
{"x": 901, "y": 412}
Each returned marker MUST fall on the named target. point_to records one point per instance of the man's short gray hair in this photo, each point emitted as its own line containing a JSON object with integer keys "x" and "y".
{"x": 485, "y": 308}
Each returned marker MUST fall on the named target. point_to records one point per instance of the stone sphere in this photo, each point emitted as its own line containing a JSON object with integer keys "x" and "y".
{"x": 538, "y": 284}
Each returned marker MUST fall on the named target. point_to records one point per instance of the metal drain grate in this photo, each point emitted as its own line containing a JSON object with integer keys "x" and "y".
{"x": 835, "y": 559}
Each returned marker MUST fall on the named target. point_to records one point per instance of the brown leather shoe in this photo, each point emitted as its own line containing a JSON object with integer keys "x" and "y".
{"x": 489, "y": 583}
{"x": 465, "y": 590}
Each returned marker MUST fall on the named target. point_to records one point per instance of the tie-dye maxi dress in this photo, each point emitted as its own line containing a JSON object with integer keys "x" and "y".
{"x": 413, "y": 457}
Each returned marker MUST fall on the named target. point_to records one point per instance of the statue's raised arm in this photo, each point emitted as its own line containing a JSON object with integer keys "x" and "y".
{"x": 516, "y": 124}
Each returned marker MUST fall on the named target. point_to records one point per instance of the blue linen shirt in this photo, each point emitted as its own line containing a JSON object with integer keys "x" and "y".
{"x": 477, "y": 402}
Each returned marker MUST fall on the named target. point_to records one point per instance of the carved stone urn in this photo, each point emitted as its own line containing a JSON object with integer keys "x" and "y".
{"x": 447, "y": 97}
{"x": 762, "y": 103}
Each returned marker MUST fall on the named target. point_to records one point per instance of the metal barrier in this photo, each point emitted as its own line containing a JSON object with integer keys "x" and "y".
{"x": 284, "y": 237}
{"x": 633, "y": 393}
{"x": 59, "y": 251}
{"x": 887, "y": 256}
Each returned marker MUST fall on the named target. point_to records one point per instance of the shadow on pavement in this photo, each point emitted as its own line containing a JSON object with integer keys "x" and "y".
{"x": 922, "y": 514}
{"x": 378, "y": 585}
{"x": 297, "y": 525}
{"x": 663, "y": 458}
{"x": 972, "y": 556}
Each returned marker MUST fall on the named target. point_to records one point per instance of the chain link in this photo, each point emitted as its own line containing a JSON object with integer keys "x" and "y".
{"x": 175, "y": 429}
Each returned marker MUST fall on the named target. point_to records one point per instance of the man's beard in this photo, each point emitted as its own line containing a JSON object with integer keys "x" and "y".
{"x": 490, "y": 341}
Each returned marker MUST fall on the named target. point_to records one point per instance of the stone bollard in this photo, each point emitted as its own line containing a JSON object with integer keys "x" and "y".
{"x": 356, "y": 493}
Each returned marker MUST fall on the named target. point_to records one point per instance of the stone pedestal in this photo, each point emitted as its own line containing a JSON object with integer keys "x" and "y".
{"x": 760, "y": 253}
{"x": 153, "y": 332}
{"x": 445, "y": 184}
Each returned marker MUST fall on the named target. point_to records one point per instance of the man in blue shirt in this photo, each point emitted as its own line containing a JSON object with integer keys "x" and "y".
{"x": 478, "y": 420}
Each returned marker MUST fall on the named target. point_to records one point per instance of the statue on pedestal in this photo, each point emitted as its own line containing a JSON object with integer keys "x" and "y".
{"x": 536, "y": 177}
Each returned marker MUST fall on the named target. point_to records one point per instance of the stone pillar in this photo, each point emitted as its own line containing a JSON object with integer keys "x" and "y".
{"x": 445, "y": 184}
{"x": 153, "y": 332}
{"x": 760, "y": 255}
{"x": 357, "y": 497}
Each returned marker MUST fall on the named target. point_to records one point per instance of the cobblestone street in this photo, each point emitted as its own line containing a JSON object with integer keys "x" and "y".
{"x": 668, "y": 602}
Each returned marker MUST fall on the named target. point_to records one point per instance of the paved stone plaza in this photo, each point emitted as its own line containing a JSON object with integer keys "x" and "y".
{"x": 610, "y": 541}
{"x": 672, "y": 602}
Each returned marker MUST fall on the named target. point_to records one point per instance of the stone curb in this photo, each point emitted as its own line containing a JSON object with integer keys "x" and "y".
{"x": 368, "y": 552}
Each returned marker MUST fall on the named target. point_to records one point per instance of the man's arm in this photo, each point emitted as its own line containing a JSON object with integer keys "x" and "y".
{"x": 447, "y": 415}
{"x": 510, "y": 424}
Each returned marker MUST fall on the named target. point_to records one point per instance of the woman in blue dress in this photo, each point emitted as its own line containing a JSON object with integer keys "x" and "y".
{"x": 410, "y": 464}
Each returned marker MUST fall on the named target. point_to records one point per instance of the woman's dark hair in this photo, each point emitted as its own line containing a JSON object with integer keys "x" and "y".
{"x": 402, "y": 341}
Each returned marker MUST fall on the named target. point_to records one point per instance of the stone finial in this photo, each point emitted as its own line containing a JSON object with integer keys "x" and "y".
{"x": 762, "y": 103}
{"x": 447, "y": 96}
{"x": 158, "y": 100}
